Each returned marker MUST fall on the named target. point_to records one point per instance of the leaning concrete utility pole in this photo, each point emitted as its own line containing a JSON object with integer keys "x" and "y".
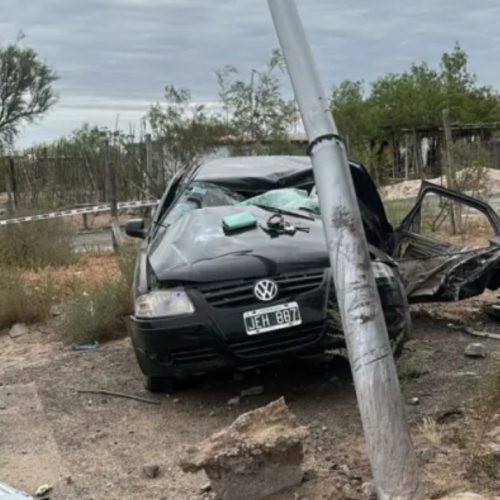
{"x": 380, "y": 403}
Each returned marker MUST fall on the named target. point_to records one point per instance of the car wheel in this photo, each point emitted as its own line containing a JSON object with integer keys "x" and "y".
{"x": 160, "y": 384}
{"x": 394, "y": 305}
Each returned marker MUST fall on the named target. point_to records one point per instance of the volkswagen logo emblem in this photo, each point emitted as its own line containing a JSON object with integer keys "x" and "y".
{"x": 265, "y": 290}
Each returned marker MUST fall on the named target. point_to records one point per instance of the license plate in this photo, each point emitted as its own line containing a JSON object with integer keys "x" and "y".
{"x": 272, "y": 318}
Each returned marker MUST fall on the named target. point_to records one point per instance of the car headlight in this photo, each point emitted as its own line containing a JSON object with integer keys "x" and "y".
{"x": 160, "y": 303}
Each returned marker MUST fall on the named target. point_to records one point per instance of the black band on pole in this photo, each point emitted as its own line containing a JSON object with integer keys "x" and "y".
{"x": 321, "y": 138}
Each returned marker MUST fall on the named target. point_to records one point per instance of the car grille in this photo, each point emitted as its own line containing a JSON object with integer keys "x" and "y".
{"x": 268, "y": 344}
{"x": 188, "y": 356}
{"x": 239, "y": 293}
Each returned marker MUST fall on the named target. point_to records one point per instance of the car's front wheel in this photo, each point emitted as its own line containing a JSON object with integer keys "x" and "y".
{"x": 160, "y": 384}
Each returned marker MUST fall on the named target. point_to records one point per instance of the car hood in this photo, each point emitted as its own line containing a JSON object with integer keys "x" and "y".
{"x": 196, "y": 249}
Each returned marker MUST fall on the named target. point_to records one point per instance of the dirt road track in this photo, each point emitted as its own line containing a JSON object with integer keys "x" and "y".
{"x": 94, "y": 447}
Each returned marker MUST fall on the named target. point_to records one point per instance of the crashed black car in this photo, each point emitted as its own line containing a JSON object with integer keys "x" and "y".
{"x": 210, "y": 295}
{"x": 207, "y": 297}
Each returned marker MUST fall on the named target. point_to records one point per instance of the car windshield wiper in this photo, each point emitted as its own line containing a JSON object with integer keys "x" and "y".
{"x": 310, "y": 210}
{"x": 280, "y": 211}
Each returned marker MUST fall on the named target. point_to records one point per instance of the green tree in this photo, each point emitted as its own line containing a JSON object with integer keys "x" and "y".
{"x": 26, "y": 91}
{"x": 409, "y": 100}
{"x": 255, "y": 109}
{"x": 183, "y": 132}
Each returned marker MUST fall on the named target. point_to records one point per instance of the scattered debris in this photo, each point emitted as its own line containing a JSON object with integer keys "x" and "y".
{"x": 3, "y": 405}
{"x": 118, "y": 395}
{"x": 449, "y": 413}
{"x": 151, "y": 471}
{"x": 492, "y": 310}
{"x": 475, "y": 350}
{"x": 85, "y": 347}
{"x": 206, "y": 488}
{"x": 474, "y": 333}
{"x": 43, "y": 489}
{"x": 259, "y": 454}
{"x": 233, "y": 401}
{"x": 252, "y": 391}
{"x": 18, "y": 330}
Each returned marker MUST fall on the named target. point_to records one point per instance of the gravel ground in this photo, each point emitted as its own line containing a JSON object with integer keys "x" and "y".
{"x": 96, "y": 446}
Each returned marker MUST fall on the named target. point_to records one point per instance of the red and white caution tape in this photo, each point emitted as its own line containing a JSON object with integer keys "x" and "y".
{"x": 106, "y": 207}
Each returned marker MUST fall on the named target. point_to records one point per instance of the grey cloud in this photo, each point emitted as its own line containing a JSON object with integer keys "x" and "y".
{"x": 115, "y": 56}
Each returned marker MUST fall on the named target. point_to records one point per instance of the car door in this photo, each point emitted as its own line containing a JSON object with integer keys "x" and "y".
{"x": 448, "y": 246}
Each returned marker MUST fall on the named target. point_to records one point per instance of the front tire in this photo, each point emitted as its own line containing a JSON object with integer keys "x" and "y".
{"x": 160, "y": 384}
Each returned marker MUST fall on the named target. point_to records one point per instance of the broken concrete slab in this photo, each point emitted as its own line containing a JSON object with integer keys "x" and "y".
{"x": 259, "y": 454}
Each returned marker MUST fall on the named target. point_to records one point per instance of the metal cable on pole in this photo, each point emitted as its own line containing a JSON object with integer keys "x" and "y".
{"x": 390, "y": 449}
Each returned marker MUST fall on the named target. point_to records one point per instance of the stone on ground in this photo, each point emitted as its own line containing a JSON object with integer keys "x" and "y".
{"x": 475, "y": 350}
{"x": 17, "y": 330}
{"x": 259, "y": 454}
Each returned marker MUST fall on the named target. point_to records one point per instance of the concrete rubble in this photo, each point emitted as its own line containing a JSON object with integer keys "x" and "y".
{"x": 259, "y": 454}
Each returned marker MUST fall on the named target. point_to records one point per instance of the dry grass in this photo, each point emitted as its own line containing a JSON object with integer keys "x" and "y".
{"x": 37, "y": 245}
{"x": 102, "y": 301}
{"x": 429, "y": 429}
{"x": 99, "y": 314}
{"x": 20, "y": 303}
{"x": 71, "y": 281}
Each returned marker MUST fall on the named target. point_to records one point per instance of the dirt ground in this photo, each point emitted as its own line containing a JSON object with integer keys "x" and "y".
{"x": 95, "y": 446}
{"x": 410, "y": 188}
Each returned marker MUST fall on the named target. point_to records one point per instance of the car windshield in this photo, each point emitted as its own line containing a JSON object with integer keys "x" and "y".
{"x": 204, "y": 194}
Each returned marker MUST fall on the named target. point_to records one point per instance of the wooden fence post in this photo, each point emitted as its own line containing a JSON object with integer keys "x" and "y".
{"x": 149, "y": 165}
{"x": 450, "y": 170}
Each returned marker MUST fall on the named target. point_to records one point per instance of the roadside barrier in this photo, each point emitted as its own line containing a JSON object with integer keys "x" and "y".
{"x": 105, "y": 207}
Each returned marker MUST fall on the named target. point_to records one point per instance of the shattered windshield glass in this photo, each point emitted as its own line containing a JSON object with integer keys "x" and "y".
{"x": 290, "y": 199}
{"x": 200, "y": 195}
{"x": 204, "y": 194}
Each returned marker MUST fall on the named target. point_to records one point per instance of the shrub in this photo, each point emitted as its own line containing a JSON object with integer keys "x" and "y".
{"x": 20, "y": 303}
{"x": 36, "y": 244}
{"x": 98, "y": 315}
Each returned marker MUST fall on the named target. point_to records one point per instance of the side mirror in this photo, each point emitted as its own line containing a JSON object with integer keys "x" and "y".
{"x": 135, "y": 228}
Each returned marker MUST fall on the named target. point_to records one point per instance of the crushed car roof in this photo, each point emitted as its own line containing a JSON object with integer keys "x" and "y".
{"x": 256, "y": 173}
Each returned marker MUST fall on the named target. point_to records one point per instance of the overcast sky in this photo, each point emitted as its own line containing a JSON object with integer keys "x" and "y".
{"x": 114, "y": 57}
